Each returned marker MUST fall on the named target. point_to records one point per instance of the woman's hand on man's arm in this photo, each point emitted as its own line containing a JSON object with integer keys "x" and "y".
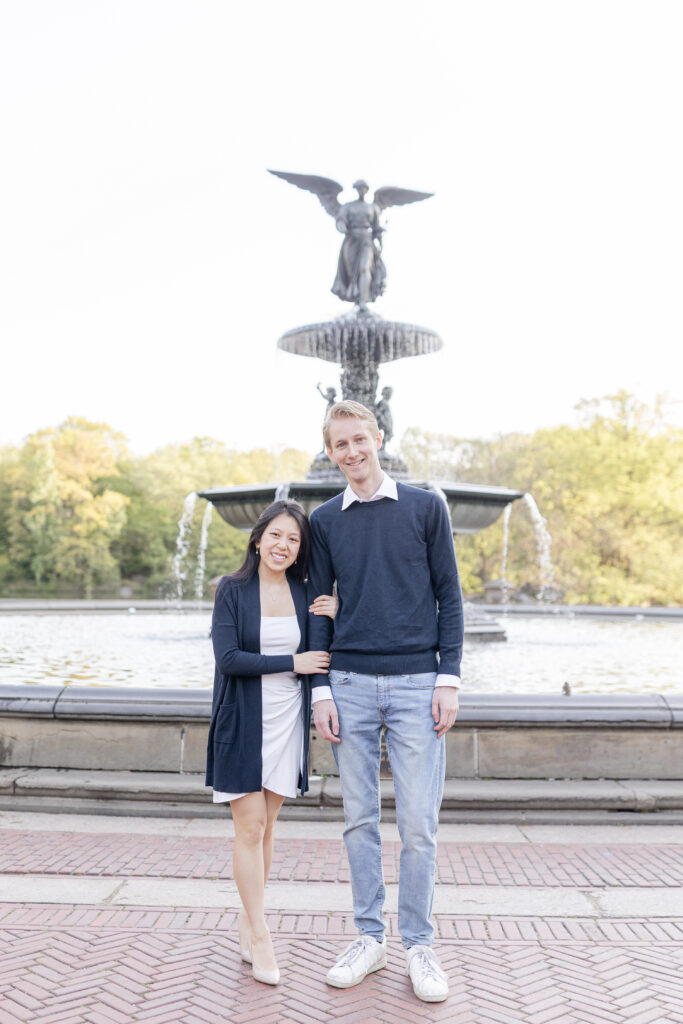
{"x": 325, "y": 604}
{"x": 312, "y": 663}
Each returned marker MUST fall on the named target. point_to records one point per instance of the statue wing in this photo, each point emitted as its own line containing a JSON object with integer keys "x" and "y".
{"x": 325, "y": 189}
{"x": 390, "y": 196}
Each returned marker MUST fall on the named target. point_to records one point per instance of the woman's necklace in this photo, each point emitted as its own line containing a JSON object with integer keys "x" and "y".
{"x": 273, "y": 591}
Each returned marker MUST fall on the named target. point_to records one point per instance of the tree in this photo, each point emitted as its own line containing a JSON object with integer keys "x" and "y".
{"x": 611, "y": 489}
{"x": 9, "y": 458}
{"x": 157, "y": 485}
{"x": 62, "y": 518}
{"x": 77, "y": 509}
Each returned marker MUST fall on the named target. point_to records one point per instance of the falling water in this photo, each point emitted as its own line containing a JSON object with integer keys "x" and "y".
{"x": 201, "y": 554}
{"x": 504, "y": 556}
{"x": 282, "y": 492}
{"x": 182, "y": 544}
{"x": 543, "y": 543}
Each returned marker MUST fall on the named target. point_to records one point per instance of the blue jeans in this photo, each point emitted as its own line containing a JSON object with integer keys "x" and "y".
{"x": 418, "y": 762}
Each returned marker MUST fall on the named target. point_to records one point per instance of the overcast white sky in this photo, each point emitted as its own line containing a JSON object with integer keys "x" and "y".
{"x": 149, "y": 263}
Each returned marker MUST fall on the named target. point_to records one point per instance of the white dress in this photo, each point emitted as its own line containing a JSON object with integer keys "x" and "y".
{"x": 283, "y": 731}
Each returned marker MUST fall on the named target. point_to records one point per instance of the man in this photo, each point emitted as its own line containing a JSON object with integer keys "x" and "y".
{"x": 389, "y": 547}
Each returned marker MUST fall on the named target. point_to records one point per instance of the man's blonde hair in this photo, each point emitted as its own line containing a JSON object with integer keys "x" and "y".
{"x": 344, "y": 410}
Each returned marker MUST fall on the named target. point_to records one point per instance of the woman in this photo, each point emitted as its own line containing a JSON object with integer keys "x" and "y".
{"x": 259, "y": 733}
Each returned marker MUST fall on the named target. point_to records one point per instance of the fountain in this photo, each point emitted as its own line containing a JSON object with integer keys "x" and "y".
{"x": 502, "y": 591}
{"x": 183, "y": 545}
{"x": 201, "y": 554}
{"x": 505, "y": 584}
{"x": 543, "y": 542}
{"x": 359, "y": 341}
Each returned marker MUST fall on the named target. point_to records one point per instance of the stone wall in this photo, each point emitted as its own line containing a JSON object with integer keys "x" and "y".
{"x": 520, "y": 736}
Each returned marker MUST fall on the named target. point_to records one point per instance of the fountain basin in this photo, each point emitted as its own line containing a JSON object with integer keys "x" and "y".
{"x": 360, "y": 338}
{"x": 472, "y": 507}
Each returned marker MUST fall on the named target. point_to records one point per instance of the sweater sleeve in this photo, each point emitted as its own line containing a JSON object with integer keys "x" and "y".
{"x": 446, "y": 583}
{"x": 321, "y": 577}
{"x": 230, "y": 659}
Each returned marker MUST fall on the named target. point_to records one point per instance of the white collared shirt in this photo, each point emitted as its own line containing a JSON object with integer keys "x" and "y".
{"x": 386, "y": 489}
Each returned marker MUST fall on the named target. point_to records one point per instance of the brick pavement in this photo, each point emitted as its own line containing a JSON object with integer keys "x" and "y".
{"x": 89, "y": 965}
{"x": 108, "y": 964}
{"x": 324, "y": 860}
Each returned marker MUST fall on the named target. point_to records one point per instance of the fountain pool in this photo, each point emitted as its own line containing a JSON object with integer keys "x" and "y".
{"x": 173, "y": 650}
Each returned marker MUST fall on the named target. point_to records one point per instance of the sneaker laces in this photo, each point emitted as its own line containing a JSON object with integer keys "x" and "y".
{"x": 353, "y": 951}
{"x": 428, "y": 965}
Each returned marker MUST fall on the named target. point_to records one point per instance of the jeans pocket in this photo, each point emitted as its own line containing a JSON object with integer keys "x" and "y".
{"x": 422, "y": 680}
{"x": 338, "y": 678}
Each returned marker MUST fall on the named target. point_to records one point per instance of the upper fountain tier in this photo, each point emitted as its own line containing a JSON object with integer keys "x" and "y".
{"x": 359, "y": 341}
{"x": 360, "y": 337}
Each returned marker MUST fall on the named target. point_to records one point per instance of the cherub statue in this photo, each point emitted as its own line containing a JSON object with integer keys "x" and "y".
{"x": 330, "y": 395}
{"x": 383, "y": 414}
{"x": 361, "y": 273}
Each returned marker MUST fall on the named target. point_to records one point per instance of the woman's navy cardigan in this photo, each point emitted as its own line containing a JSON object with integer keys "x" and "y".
{"x": 233, "y": 760}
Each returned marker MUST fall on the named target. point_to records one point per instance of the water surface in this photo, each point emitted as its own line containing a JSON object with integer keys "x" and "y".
{"x": 166, "y": 649}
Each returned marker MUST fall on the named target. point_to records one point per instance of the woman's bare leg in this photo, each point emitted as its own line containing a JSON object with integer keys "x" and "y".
{"x": 273, "y": 804}
{"x": 254, "y": 816}
{"x": 250, "y": 818}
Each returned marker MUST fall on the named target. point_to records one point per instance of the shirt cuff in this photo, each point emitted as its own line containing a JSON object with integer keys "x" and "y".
{"x": 321, "y": 693}
{"x": 447, "y": 680}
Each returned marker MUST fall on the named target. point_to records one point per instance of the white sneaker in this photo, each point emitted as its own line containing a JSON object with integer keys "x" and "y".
{"x": 427, "y": 975}
{"x": 361, "y": 958}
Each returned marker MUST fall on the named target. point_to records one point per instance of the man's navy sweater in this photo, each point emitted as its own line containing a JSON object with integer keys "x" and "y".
{"x": 397, "y": 582}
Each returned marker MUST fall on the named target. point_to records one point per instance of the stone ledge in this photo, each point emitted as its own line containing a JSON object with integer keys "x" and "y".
{"x": 106, "y": 785}
{"x": 637, "y": 711}
{"x": 292, "y": 812}
{"x": 498, "y": 736}
{"x": 476, "y": 795}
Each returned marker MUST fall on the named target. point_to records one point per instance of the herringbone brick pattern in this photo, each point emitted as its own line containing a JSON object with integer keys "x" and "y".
{"x": 339, "y": 925}
{"x": 324, "y": 860}
{"x": 151, "y": 974}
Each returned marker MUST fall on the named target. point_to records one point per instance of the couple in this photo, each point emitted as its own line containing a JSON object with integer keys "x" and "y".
{"x": 395, "y": 642}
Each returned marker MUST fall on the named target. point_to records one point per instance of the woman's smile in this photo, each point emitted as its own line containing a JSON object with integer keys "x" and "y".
{"x": 280, "y": 543}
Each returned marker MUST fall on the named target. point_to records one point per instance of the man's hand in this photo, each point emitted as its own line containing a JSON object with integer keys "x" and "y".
{"x": 326, "y": 720}
{"x": 444, "y": 708}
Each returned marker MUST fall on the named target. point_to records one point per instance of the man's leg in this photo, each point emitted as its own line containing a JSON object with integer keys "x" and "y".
{"x": 418, "y": 761}
{"x": 358, "y": 759}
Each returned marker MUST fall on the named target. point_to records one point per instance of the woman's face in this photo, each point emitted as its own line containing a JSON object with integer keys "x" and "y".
{"x": 280, "y": 543}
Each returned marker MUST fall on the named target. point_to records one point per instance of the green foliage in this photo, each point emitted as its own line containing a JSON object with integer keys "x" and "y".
{"x": 610, "y": 488}
{"x": 9, "y": 458}
{"x": 77, "y": 509}
{"x": 157, "y": 485}
{"x": 61, "y": 516}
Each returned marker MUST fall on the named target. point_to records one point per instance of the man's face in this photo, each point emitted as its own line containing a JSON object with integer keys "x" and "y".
{"x": 354, "y": 448}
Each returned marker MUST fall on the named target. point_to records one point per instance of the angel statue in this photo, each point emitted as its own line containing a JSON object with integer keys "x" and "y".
{"x": 361, "y": 273}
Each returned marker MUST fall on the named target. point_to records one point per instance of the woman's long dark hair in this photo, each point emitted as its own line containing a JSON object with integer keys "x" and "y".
{"x": 252, "y": 558}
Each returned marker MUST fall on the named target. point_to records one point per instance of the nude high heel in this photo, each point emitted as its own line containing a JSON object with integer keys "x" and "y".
{"x": 270, "y": 976}
{"x": 244, "y": 931}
